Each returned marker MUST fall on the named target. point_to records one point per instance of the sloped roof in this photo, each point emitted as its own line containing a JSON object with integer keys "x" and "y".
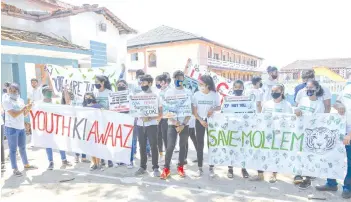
{"x": 36, "y": 38}
{"x": 166, "y": 34}
{"x": 309, "y": 64}
{"x": 55, "y": 3}
{"x": 10, "y": 10}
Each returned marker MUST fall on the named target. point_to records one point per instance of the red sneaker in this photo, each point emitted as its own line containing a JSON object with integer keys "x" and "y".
{"x": 181, "y": 172}
{"x": 165, "y": 173}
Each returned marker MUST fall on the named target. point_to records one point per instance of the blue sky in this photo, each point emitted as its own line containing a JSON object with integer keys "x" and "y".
{"x": 278, "y": 30}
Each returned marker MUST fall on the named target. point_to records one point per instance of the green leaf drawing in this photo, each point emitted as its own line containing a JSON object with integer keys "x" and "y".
{"x": 90, "y": 70}
{"x": 70, "y": 75}
{"x": 57, "y": 71}
{"x": 102, "y": 70}
{"x": 84, "y": 77}
{"x": 111, "y": 76}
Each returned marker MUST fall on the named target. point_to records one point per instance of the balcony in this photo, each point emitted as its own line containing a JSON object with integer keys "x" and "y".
{"x": 229, "y": 65}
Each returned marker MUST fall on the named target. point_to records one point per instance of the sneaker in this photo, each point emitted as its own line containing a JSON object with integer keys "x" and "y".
{"x": 181, "y": 172}
{"x": 305, "y": 184}
{"x": 156, "y": 173}
{"x": 230, "y": 174}
{"x": 141, "y": 171}
{"x": 51, "y": 166}
{"x": 94, "y": 167}
{"x": 17, "y": 173}
{"x": 76, "y": 159}
{"x": 110, "y": 165}
{"x": 211, "y": 172}
{"x": 66, "y": 163}
{"x": 273, "y": 178}
{"x": 130, "y": 166}
{"x": 257, "y": 178}
{"x": 199, "y": 172}
{"x": 346, "y": 194}
{"x": 30, "y": 167}
{"x": 298, "y": 179}
{"x": 165, "y": 173}
{"x": 327, "y": 188}
{"x": 245, "y": 173}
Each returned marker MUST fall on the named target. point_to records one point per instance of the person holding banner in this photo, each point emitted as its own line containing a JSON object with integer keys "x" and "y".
{"x": 257, "y": 92}
{"x": 147, "y": 129}
{"x": 15, "y": 111}
{"x": 205, "y": 103}
{"x": 276, "y": 105}
{"x": 47, "y": 95}
{"x": 343, "y": 104}
{"x": 272, "y": 81}
{"x": 177, "y": 126}
{"x": 103, "y": 85}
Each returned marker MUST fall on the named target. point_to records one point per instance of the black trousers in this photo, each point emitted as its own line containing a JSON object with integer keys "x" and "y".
{"x": 192, "y": 136}
{"x": 145, "y": 133}
{"x": 172, "y": 140}
{"x": 2, "y": 145}
{"x": 162, "y": 134}
{"x": 200, "y": 138}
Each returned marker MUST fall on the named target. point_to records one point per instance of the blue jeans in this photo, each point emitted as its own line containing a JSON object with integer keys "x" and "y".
{"x": 16, "y": 138}
{"x": 134, "y": 144}
{"x": 84, "y": 156}
{"x": 50, "y": 157}
{"x": 347, "y": 180}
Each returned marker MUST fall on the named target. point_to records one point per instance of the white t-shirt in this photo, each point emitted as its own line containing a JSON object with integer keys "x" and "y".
{"x": 36, "y": 95}
{"x": 257, "y": 94}
{"x": 17, "y": 105}
{"x": 4, "y": 97}
{"x": 153, "y": 122}
{"x": 345, "y": 98}
{"x": 204, "y": 102}
{"x": 102, "y": 98}
{"x": 267, "y": 89}
{"x": 302, "y": 93}
{"x": 104, "y": 93}
{"x": 273, "y": 107}
{"x": 309, "y": 107}
{"x": 174, "y": 91}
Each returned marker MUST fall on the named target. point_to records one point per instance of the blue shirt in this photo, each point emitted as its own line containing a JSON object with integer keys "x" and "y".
{"x": 298, "y": 88}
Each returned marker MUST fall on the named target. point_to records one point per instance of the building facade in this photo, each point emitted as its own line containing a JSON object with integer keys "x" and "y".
{"x": 166, "y": 49}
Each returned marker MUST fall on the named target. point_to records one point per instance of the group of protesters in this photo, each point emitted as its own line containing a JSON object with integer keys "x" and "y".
{"x": 157, "y": 137}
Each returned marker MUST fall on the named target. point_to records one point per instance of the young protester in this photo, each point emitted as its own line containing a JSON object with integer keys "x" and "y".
{"x": 310, "y": 105}
{"x": 103, "y": 85}
{"x": 90, "y": 101}
{"x": 238, "y": 90}
{"x": 205, "y": 103}
{"x": 276, "y": 105}
{"x": 15, "y": 111}
{"x": 36, "y": 95}
{"x": 343, "y": 104}
{"x": 47, "y": 98}
{"x": 268, "y": 84}
{"x": 306, "y": 75}
{"x": 147, "y": 130}
{"x": 177, "y": 126}
{"x": 162, "y": 83}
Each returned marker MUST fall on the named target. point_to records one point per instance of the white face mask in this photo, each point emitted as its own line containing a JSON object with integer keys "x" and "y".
{"x": 202, "y": 88}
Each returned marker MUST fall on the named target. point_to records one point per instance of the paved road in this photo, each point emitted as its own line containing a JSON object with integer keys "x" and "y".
{"x": 119, "y": 184}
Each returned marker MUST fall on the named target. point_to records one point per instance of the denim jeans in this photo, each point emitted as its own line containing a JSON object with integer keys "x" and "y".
{"x": 50, "y": 155}
{"x": 84, "y": 156}
{"x": 2, "y": 145}
{"x": 134, "y": 144}
{"x": 347, "y": 180}
{"x": 16, "y": 138}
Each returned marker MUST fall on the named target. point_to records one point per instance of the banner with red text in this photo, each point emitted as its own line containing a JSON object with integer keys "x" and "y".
{"x": 100, "y": 133}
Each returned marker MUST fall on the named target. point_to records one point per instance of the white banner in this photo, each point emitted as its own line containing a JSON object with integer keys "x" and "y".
{"x": 238, "y": 104}
{"x": 307, "y": 146}
{"x": 176, "y": 106}
{"x": 100, "y": 133}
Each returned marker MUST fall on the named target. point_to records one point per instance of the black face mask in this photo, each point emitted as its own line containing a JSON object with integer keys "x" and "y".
{"x": 121, "y": 88}
{"x": 310, "y": 93}
{"x": 274, "y": 76}
{"x": 276, "y": 95}
{"x": 4, "y": 90}
{"x": 98, "y": 86}
{"x": 144, "y": 88}
{"x": 89, "y": 101}
{"x": 238, "y": 92}
{"x": 261, "y": 84}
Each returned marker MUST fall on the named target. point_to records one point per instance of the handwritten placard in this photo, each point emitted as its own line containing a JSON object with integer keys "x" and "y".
{"x": 144, "y": 105}
{"x": 119, "y": 101}
{"x": 238, "y": 104}
{"x": 176, "y": 106}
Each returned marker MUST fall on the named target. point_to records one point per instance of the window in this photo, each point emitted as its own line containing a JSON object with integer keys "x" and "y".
{"x": 152, "y": 60}
{"x": 209, "y": 52}
{"x": 230, "y": 59}
{"x": 216, "y": 56}
{"x": 223, "y": 57}
{"x": 134, "y": 57}
{"x": 234, "y": 58}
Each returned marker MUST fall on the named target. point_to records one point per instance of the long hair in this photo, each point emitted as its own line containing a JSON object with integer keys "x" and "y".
{"x": 319, "y": 91}
{"x": 85, "y": 101}
{"x": 208, "y": 80}
{"x": 102, "y": 78}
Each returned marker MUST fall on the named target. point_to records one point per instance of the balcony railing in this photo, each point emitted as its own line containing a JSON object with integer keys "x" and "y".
{"x": 229, "y": 65}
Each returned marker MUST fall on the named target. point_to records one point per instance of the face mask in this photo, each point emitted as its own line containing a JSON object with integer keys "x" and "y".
{"x": 14, "y": 96}
{"x": 238, "y": 92}
{"x": 158, "y": 86}
{"x": 98, "y": 86}
{"x": 89, "y": 101}
{"x": 202, "y": 88}
{"x": 276, "y": 95}
{"x": 48, "y": 95}
{"x": 261, "y": 84}
{"x": 144, "y": 88}
{"x": 4, "y": 90}
{"x": 310, "y": 93}
{"x": 121, "y": 88}
{"x": 178, "y": 83}
{"x": 274, "y": 76}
